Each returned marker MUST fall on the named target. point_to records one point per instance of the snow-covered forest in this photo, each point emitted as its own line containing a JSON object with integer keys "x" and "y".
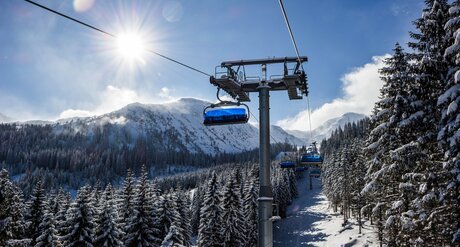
{"x": 220, "y": 211}
{"x": 403, "y": 173}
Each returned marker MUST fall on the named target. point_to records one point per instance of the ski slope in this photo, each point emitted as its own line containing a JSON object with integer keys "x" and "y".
{"x": 310, "y": 222}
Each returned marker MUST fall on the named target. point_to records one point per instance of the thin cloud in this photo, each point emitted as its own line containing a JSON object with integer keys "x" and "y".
{"x": 114, "y": 98}
{"x": 361, "y": 89}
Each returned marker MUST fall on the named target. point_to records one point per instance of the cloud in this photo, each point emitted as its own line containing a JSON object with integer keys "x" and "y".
{"x": 114, "y": 98}
{"x": 361, "y": 89}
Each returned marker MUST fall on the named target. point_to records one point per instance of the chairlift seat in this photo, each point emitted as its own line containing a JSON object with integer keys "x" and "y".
{"x": 287, "y": 164}
{"x": 308, "y": 159}
{"x": 300, "y": 169}
{"x": 223, "y": 116}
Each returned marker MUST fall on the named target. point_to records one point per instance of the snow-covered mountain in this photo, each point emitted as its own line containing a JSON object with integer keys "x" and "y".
{"x": 325, "y": 130}
{"x": 5, "y": 119}
{"x": 180, "y": 120}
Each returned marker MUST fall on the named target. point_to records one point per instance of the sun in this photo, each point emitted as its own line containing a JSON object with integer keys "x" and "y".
{"x": 131, "y": 46}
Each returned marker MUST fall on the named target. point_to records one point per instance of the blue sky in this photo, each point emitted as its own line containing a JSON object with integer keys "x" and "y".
{"x": 51, "y": 67}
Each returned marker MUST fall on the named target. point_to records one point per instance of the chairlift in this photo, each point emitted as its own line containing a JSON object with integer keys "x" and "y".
{"x": 287, "y": 164}
{"x": 312, "y": 156}
{"x": 225, "y": 112}
{"x": 300, "y": 169}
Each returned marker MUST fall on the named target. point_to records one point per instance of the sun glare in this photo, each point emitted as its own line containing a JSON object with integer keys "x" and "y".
{"x": 131, "y": 47}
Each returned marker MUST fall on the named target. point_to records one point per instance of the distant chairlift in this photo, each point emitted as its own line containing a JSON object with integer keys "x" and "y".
{"x": 287, "y": 161}
{"x": 300, "y": 169}
{"x": 312, "y": 156}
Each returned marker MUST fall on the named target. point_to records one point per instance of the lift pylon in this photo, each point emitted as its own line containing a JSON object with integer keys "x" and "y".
{"x": 238, "y": 85}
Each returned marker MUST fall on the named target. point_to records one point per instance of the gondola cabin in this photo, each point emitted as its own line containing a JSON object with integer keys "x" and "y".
{"x": 287, "y": 164}
{"x": 224, "y": 116}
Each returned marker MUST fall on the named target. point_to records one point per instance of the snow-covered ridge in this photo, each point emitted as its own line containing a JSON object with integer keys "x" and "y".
{"x": 179, "y": 120}
{"x": 5, "y": 119}
{"x": 325, "y": 130}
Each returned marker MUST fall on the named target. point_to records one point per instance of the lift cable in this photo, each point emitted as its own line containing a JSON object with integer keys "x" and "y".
{"x": 309, "y": 117}
{"x": 273, "y": 139}
{"x": 290, "y": 32}
{"x": 113, "y": 36}
{"x": 298, "y": 56}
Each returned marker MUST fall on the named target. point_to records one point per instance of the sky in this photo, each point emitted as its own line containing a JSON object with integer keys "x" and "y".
{"x": 53, "y": 68}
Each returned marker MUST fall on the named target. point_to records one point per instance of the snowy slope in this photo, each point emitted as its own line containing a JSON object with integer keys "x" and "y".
{"x": 310, "y": 222}
{"x": 180, "y": 120}
{"x": 325, "y": 130}
{"x": 5, "y": 119}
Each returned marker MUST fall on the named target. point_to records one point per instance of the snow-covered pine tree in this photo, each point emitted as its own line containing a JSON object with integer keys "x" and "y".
{"x": 63, "y": 203}
{"x": 140, "y": 232}
{"x": 49, "y": 235}
{"x": 11, "y": 213}
{"x": 183, "y": 207}
{"x": 80, "y": 220}
{"x": 448, "y": 136}
{"x": 398, "y": 79}
{"x": 171, "y": 239}
{"x": 107, "y": 231}
{"x": 345, "y": 194}
{"x": 126, "y": 201}
{"x": 430, "y": 69}
{"x": 232, "y": 217}
{"x": 250, "y": 206}
{"x": 209, "y": 233}
{"x": 37, "y": 205}
{"x": 197, "y": 203}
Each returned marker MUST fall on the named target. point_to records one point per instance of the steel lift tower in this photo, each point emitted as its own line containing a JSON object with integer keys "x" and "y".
{"x": 235, "y": 82}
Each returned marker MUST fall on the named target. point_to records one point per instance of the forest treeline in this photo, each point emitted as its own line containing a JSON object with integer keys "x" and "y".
{"x": 221, "y": 210}
{"x": 60, "y": 157}
{"x": 404, "y": 171}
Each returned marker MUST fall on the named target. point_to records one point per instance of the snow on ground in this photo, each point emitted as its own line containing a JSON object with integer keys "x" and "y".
{"x": 310, "y": 222}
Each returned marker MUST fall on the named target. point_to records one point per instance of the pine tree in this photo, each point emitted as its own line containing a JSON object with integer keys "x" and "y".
{"x": 184, "y": 213}
{"x": 431, "y": 70}
{"x": 140, "y": 230}
{"x": 172, "y": 239}
{"x": 49, "y": 235}
{"x": 209, "y": 233}
{"x": 80, "y": 220}
{"x": 197, "y": 203}
{"x": 108, "y": 233}
{"x": 126, "y": 201}
{"x": 232, "y": 218}
{"x": 63, "y": 203}
{"x": 36, "y": 212}
{"x": 250, "y": 214}
{"x": 11, "y": 215}
{"x": 17, "y": 223}
{"x": 448, "y": 104}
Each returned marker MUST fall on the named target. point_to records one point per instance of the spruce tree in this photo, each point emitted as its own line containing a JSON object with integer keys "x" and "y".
{"x": 250, "y": 206}
{"x": 79, "y": 224}
{"x": 126, "y": 201}
{"x": 430, "y": 70}
{"x": 107, "y": 232}
{"x": 232, "y": 218}
{"x": 209, "y": 233}
{"x": 49, "y": 235}
{"x": 449, "y": 105}
{"x": 36, "y": 212}
{"x": 140, "y": 230}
